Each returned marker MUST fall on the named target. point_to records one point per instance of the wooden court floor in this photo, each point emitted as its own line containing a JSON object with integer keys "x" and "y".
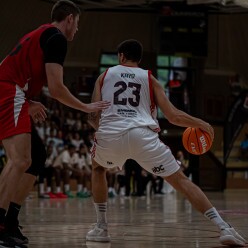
{"x": 166, "y": 221}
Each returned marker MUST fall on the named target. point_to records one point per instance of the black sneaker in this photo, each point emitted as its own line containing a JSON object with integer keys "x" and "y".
{"x": 16, "y": 234}
{"x": 7, "y": 241}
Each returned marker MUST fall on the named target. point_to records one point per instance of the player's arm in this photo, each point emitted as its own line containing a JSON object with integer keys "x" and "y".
{"x": 54, "y": 46}
{"x": 174, "y": 115}
{"x": 58, "y": 90}
{"x": 94, "y": 117}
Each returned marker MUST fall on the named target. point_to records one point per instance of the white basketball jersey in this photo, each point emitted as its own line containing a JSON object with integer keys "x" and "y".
{"x": 130, "y": 92}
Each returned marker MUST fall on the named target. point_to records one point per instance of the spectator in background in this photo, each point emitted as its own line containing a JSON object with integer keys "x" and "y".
{"x": 51, "y": 126}
{"x": 84, "y": 164}
{"x": 61, "y": 162}
{"x": 111, "y": 176}
{"x": 66, "y": 166}
{"x": 78, "y": 122}
{"x": 47, "y": 174}
{"x": 40, "y": 127}
{"x": 157, "y": 184}
{"x": 70, "y": 120}
{"x": 133, "y": 178}
{"x": 56, "y": 118}
{"x": 57, "y": 138}
{"x": 68, "y": 138}
{"x": 77, "y": 140}
{"x": 121, "y": 182}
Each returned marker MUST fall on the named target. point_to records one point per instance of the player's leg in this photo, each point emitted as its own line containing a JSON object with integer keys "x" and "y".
{"x": 19, "y": 159}
{"x": 58, "y": 173}
{"x": 11, "y": 221}
{"x": 100, "y": 196}
{"x": 38, "y": 154}
{"x": 192, "y": 192}
{"x": 156, "y": 157}
{"x": 128, "y": 175}
{"x": 49, "y": 177}
{"x": 106, "y": 153}
{"x": 228, "y": 236}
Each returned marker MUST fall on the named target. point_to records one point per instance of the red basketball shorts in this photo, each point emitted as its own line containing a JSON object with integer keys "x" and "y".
{"x": 14, "y": 117}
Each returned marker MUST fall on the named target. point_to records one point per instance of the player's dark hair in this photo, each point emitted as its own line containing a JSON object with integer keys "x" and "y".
{"x": 62, "y": 9}
{"x": 132, "y": 50}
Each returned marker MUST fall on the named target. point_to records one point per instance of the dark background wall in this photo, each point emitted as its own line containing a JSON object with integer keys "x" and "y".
{"x": 102, "y": 31}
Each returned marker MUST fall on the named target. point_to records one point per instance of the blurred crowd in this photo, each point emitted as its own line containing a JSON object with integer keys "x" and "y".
{"x": 68, "y": 139}
{"x": 67, "y": 172}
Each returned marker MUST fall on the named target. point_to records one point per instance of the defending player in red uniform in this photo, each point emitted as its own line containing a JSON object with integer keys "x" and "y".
{"x": 36, "y": 60}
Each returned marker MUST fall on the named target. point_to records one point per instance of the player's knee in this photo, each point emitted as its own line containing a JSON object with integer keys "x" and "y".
{"x": 22, "y": 164}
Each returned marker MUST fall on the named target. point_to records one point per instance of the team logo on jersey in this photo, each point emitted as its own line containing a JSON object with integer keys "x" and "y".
{"x": 127, "y": 112}
{"x": 158, "y": 169}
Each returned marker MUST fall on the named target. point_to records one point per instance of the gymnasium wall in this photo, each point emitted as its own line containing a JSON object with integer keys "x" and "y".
{"x": 102, "y": 31}
{"x": 98, "y": 31}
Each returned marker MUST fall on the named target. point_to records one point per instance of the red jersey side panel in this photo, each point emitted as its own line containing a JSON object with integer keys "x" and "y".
{"x": 14, "y": 117}
{"x": 25, "y": 66}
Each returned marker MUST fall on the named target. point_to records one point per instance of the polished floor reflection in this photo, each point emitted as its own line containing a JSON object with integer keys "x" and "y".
{"x": 166, "y": 221}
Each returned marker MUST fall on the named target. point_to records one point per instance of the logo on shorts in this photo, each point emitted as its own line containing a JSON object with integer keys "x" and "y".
{"x": 109, "y": 163}
{"x": 158, "y": 169}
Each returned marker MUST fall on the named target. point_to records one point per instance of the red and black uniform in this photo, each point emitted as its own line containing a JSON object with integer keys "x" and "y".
{"x": 22, "y": 76}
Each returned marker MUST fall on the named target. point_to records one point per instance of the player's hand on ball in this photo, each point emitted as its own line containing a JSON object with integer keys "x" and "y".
{"x": 209, "y": 129}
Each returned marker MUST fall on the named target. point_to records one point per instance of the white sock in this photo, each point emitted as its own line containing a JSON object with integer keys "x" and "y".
{"x": 85, "y": 190}
{"x": 41, "y": 187}
{"x": 110, "y": 189}
{"x": 67, "y": 187}
{"x": 79, "y": 187}
{"x": 48, "y": 189}
{"x": 101, "y": 212}
{"x": 58, "y": 189}
{"x": 214, "y": 216}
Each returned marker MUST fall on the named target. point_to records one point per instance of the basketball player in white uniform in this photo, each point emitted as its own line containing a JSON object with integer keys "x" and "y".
{"x": 128, "y": 129}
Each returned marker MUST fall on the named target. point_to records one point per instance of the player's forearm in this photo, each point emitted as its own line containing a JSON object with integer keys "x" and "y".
{"x": 63, "y": 95}
{"x": 182, "y": 119}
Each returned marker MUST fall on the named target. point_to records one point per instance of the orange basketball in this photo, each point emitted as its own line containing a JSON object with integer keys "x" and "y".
{"x": 196, "y": 141}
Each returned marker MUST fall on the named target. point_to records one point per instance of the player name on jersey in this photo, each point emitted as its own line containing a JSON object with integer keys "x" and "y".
{"x": 127, "y": 75}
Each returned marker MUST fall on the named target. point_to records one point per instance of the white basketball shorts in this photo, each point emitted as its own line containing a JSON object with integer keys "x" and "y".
{"x": 140, "y": 144}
